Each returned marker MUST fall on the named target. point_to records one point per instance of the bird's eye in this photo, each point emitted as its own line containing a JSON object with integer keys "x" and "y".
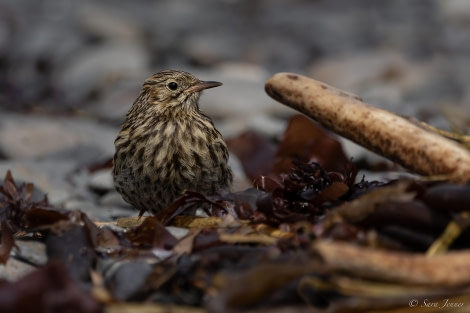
{"x": 172, "y": 86}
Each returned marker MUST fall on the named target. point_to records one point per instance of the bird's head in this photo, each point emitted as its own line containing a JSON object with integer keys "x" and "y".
{"x": 174, "y": 90}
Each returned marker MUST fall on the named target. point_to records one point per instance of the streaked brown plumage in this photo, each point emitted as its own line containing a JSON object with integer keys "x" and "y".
{"x": 167, "y": 145}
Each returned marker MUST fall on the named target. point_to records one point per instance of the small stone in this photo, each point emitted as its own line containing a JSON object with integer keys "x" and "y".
{"x": 456, "y": 10}
{"x": 126, "y": 277}
{"x": 210, "y": 48}
{"x": 113, "y": 198}
{"x": 14, "y": 270}
{"x": 178, "y": 232}
{"x": 32, "y": 251}
{"x": 23, "y": 136}
{"x": 98, "y": 212}
{"x": 95, "y": 68}
{"x": 50, "y": 176}
{"x": 116, "y": 100}
{"x": 101, "y": 181}
{"x": 108, "y": 22}
{"x": 240, "y": 180}
{"x": 226, "y": 101}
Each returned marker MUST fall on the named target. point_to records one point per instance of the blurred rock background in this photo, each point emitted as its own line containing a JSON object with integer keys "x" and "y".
{"x": 70, "y": 70}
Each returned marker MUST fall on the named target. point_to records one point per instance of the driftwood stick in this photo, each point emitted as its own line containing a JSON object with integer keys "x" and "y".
{"x": 375, "y": 129}
{"x": 450, "y": 269}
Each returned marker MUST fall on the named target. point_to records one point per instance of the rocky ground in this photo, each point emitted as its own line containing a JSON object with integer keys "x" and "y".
{"x": 70, "y": 70}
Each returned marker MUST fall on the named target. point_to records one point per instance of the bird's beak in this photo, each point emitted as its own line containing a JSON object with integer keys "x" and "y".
{"x": 201, "y": 85}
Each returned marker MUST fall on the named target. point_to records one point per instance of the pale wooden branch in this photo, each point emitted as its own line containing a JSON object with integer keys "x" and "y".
{"x": 376, "y": 129}
{"x": 450, "y": 269}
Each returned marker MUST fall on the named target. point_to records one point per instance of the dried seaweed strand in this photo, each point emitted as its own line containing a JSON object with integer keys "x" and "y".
{"x": 452, "y": 232}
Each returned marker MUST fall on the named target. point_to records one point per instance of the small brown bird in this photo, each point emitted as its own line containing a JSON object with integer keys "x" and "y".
{"x": 167, "y": 145}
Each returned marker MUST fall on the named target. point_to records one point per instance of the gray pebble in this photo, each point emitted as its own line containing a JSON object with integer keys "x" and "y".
{"x": 101, "y": 181}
